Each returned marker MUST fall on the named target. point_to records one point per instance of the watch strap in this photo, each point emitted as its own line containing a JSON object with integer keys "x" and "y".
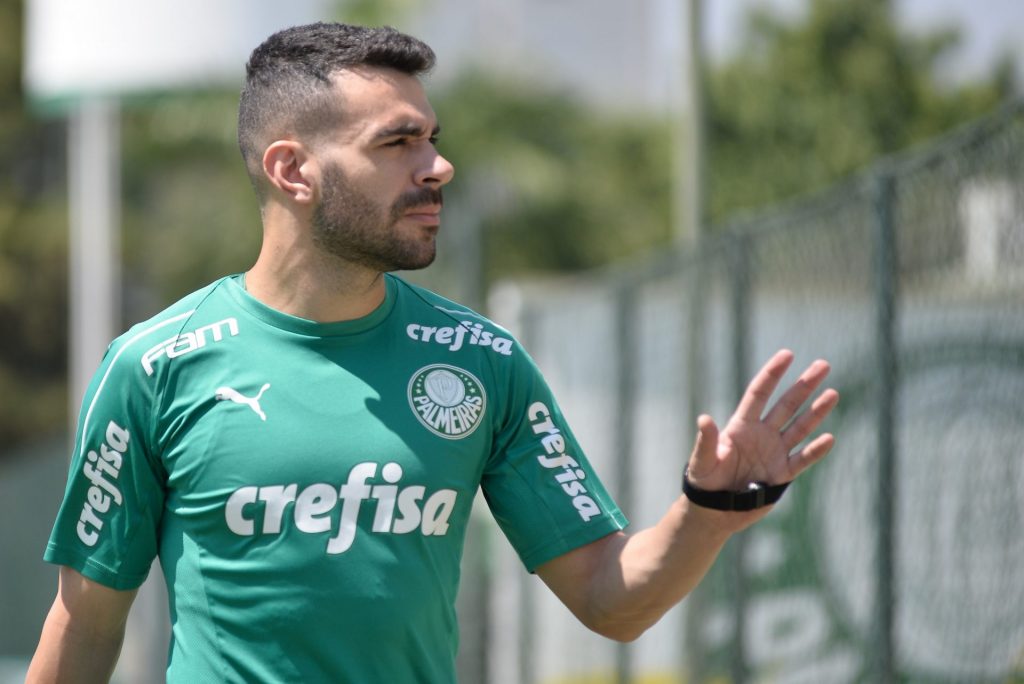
{"x": 756, "y": 495}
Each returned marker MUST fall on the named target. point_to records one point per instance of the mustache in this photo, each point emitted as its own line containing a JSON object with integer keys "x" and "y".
{"x": 417, "y": 198}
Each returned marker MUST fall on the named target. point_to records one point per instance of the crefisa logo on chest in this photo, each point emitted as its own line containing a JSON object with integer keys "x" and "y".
{"x": 449, "y": 401}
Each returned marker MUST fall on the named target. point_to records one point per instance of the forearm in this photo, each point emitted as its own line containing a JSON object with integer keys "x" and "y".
{"x": 645, "y": 574}
{"x": 82, "y": 635}
{"x": 69, "y": 652}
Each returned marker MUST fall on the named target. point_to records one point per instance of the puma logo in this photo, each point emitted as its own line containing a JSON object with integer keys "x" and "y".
{"x": 228, "y": 394}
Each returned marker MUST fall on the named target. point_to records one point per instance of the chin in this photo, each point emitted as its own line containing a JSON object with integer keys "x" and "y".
{"x": 413, "y": 262}
{"x": 419, "y": 265}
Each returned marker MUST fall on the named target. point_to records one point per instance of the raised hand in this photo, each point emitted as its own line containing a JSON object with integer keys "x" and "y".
{"x": 758, "y": 444}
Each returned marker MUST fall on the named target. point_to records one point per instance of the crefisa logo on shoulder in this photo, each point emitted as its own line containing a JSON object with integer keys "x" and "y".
{"x": 449, "y": 401}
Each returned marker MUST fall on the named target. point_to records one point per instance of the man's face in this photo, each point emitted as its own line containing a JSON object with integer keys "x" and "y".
{"x": 381, "y": 177}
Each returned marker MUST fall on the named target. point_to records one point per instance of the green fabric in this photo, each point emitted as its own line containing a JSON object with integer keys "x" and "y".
{"x": 308, "y": 485}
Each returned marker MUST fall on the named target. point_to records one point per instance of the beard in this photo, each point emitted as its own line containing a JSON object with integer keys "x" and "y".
{"x": 350, "y": 225}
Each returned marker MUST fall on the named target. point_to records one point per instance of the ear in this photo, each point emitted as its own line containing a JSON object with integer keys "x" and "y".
{"x": 289, "y": 168}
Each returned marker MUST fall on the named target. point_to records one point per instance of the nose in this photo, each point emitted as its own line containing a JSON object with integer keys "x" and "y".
{"x": 437, "y": 173}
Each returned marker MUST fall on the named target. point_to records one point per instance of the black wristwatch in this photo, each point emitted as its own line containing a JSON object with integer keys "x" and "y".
{"x": 756, "y": 495}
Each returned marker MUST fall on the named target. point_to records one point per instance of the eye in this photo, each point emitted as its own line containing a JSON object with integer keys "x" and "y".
{"x": 433, "y": 139}
{"x": 396, "y": 143}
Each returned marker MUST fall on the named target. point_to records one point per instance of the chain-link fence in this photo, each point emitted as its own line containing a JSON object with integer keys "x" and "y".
{"x": 899, "y": 558}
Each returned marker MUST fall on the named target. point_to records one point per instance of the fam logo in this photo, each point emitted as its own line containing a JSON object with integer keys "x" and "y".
{"x": 188, "y": 342}
{"x": 448, "y": 401}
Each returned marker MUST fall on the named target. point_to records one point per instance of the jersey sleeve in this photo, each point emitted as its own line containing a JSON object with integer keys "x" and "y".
{"x": 107, "y": 525}
{"x": 541, "y": 489}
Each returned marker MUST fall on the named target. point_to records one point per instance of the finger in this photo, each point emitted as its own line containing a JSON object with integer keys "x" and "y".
{"x": 755, "y": 399}
{"x": 705, "y": 450}
{"x": 810, "y": 454}
{"x": 808, "y": 421}
{"x": 790, "y": 402}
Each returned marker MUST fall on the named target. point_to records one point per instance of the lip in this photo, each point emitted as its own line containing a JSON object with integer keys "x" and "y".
{"x": 427, "y": 214}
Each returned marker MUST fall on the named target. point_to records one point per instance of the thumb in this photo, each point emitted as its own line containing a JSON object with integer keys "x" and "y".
{"x": 705, "y": 450}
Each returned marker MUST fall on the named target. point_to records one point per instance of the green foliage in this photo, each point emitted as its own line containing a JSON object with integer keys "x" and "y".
{"x": 582, "y": 189}
{"x": 375, "y": 12}
{"x": 810, "y": 102}
{"x": 554, "y": 184}
{"x": 189, "y": 212}
{"x": 33, "y": 255}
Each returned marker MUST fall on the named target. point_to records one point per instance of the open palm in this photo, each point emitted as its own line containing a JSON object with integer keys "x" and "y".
{"x": 758, "y": 443}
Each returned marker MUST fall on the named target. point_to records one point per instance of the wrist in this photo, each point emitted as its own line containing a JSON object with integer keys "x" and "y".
{"x": 755, "y": 495}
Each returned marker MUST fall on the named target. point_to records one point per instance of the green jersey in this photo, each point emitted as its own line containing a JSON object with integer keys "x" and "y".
{"x": 307, "y": 486}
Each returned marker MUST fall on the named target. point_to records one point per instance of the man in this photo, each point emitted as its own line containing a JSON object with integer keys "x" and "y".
{"x": 301, "y": 444}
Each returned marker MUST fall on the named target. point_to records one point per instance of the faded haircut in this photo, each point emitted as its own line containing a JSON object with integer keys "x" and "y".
{"x": 288, "y": 85}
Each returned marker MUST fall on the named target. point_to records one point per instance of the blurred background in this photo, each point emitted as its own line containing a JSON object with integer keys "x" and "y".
{"x": 654, "y": 196}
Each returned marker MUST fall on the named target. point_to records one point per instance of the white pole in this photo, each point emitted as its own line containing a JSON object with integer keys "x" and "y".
{"x": 94, "y": 249}
{"x": 688, "y": 195}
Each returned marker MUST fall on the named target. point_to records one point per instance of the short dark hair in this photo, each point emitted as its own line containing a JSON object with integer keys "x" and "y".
{"x": 288, "y": 78}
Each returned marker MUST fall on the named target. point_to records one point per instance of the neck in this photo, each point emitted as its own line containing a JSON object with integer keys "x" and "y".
{"x": 298, "y": 278}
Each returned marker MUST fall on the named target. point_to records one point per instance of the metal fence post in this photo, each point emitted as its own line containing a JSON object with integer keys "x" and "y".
{"x": 529, "y": 336}
{"x": 886, "y": 267}
{"x": 695, "y": 325}
{"x": 741, "y": 286}
{"x": 625, "y": 393}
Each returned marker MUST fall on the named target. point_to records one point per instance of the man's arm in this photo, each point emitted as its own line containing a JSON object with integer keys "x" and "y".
{"x": 82, "y": 634}
{"x": 622, "y": 584}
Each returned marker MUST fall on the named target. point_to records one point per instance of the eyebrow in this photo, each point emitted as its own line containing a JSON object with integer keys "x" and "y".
{"x": 407, "y": 129}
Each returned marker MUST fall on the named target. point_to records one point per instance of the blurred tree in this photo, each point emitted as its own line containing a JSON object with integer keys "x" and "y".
{"x": 581, "y": 189}
{"x": 189, "y": 213}
{"x": 803, "y": 104}
{"x": 376, "y": 12}
{"x": 808, "y": 102}
{"x": 33, "y": 255}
